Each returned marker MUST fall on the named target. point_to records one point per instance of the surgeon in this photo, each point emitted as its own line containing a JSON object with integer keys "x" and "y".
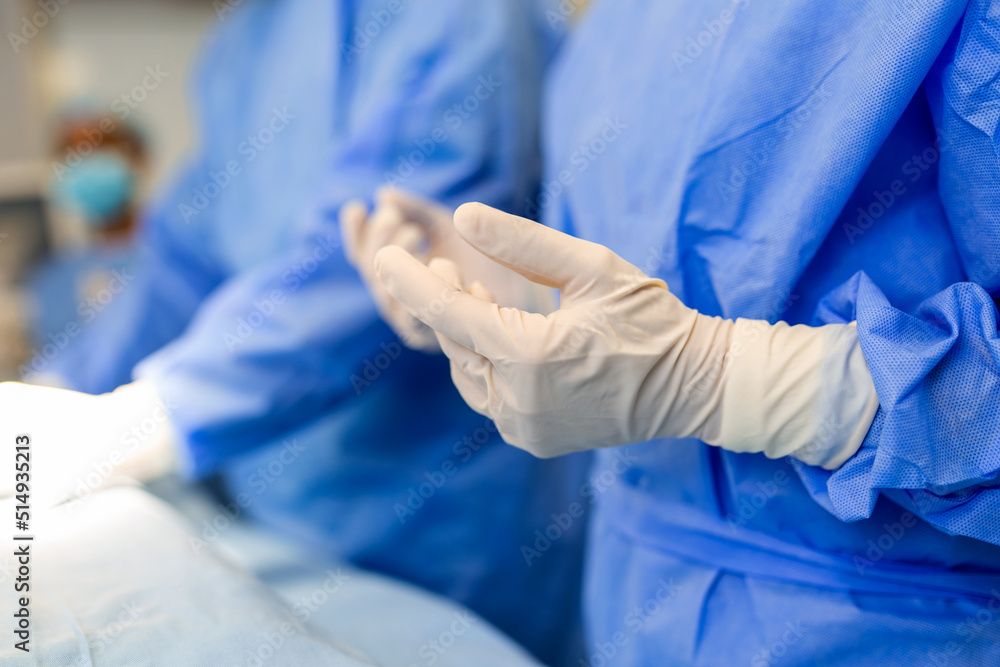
{"x": 263, "y": 357}
{"x": 99, "y": 167}
{"x": 783, "y": 292}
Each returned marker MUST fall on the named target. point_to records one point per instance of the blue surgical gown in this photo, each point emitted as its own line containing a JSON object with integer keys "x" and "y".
{"x": 814, "y": 163}
{"x": 70, "y": 290}
{"x": 276, "y": 368}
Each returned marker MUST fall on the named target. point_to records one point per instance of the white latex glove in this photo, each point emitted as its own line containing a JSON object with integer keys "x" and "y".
{"x": 426, "y": 230}
{"x": 623, "y": 360}
{"x": 80, "y": 442}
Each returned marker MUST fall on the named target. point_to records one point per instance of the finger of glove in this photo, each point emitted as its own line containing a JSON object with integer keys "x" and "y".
{"x": 467, "y": 374}
{"x": 448, "y": 271}
{"x": 427, "y": 213}
{"x": 353, "y": 216}
{"x": 543, "y": 255}
{"x": 414, "y": 333}
{"x": 468, "y": 369}
{"x": 470, "y": 321}
{"x": 420, "y": 337}
{"x": 385, "y": 222}
{"x": 478, "y": 290}
{"x": 409, "y": 237}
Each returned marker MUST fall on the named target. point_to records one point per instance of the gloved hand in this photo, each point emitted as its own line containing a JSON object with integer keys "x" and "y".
{"x": 425, "y": 229}
{"x": 623, "y": 360}
{"x": 80, "y": 442}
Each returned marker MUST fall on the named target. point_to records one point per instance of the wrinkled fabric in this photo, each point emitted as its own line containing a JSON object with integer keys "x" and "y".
{"x": 276, "y": 368}
{"x": 117, "y": 579}
{"x": 388, "y": 621}
{"x": 789, "y": 161}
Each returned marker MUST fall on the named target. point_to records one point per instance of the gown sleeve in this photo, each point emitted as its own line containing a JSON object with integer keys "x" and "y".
{"x": 275, "y": 347}
{"x": 934, "y": 446}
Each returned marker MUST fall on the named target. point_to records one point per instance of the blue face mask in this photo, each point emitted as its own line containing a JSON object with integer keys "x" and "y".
{"x": 97, "y": 189}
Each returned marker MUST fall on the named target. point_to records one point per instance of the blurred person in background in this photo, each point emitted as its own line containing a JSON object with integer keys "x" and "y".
{"x": 260, "y": 356}
{"x": 99, "y": 165}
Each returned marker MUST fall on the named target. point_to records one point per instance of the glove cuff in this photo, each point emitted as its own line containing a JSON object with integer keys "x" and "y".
{"x": 795, "y": 391}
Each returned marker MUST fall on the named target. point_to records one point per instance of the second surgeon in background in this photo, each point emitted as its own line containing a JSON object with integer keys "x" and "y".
{"x": 265, "y": 329}
{"x": 95, "y": 206}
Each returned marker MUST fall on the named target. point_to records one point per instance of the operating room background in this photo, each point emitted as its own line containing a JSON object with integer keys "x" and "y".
{"x": 68, "y": 52}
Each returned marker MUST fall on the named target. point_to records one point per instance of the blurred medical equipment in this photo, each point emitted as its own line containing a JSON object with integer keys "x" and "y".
{"x": 623, "y": 360}
{"x": 22, "y": 229}
{"x": 23, "y": 242}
